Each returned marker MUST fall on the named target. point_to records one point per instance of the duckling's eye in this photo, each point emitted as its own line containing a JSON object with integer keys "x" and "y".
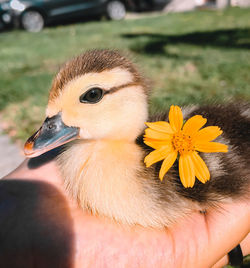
{"x": 92, "y": 96}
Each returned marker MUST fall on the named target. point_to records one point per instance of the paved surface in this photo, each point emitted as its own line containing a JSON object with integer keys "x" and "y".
{"x": 10, "y": 155}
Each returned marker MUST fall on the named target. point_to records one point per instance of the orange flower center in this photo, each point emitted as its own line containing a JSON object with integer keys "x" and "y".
{"x": 182, "y": 142}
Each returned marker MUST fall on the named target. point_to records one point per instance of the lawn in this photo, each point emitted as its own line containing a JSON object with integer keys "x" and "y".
{"x": 196, "y": 57}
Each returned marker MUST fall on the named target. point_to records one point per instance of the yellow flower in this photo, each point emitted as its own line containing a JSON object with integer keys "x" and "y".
{"x": 174, "y": 139}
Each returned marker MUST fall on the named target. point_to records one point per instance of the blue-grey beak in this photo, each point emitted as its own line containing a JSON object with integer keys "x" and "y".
{"x": 53, "y": 133}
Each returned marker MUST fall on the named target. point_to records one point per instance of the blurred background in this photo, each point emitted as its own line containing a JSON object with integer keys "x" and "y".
{"x": 194, "y": 52}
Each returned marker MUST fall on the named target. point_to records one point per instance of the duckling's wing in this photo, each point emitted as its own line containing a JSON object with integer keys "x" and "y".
{"x": 230, "y": 172}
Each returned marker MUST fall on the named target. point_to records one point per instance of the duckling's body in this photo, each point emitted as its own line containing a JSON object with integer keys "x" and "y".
{"x": 104, "y": 169}
{"x": 108, "y": 178}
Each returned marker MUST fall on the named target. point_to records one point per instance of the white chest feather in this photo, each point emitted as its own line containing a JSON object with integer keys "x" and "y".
{"x": 104, "y": 177}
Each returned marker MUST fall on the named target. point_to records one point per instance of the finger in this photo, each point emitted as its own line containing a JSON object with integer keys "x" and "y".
{"x": 245, "y": 247}
{"x": 47, "y": 172}
{"x": 226, "y": 229}
{"x": 222, "y": 262}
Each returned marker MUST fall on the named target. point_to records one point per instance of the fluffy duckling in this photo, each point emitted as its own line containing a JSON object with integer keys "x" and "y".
{"x": 100, "y": 100}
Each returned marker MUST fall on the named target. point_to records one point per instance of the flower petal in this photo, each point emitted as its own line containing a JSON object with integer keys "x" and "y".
{"x": 175, "y": 117}
{"x": 193, "y": 124}
{"x": 186, "y": 171}
{"x": 156, "y": 144}
{"x": 167, "y": 164}
{"x": 153, "y": 134}
{"x": 161, "y": 126}
{"x": 211, "y": 147}
{"x": 156, "y": 156}
{"x": 208, "y": 133}
{"x": 200, "y": 168}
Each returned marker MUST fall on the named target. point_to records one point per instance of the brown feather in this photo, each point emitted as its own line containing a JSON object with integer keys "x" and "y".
{"x": 94, "y": 61}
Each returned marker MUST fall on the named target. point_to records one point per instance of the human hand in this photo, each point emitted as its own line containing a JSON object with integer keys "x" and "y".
{"x": 199, "y": 240}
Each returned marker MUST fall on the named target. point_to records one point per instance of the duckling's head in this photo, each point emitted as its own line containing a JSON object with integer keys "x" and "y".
{"x": 97, "y": 95}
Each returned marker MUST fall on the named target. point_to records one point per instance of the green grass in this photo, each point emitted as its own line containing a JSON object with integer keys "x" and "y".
{"x": 195, "y": 57}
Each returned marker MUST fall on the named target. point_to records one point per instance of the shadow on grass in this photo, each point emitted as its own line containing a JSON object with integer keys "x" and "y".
{"x": 227, "y": 39}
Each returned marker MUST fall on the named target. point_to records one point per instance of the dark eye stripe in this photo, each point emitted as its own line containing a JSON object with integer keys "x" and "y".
{"x": 115, "y": 89}
{"x": 94, "y": 95}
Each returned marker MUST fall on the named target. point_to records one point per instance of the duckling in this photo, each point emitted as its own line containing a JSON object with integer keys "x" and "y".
{"x": 97, "y": 107}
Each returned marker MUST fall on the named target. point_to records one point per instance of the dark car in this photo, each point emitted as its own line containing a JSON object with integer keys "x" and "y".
{"x": 5, "y": 16}
{"x": 147, "y": 5}
{"x": 33, "y": 15}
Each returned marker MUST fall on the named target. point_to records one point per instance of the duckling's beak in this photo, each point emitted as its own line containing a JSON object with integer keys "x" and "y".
{"x": 53, "y": 133}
